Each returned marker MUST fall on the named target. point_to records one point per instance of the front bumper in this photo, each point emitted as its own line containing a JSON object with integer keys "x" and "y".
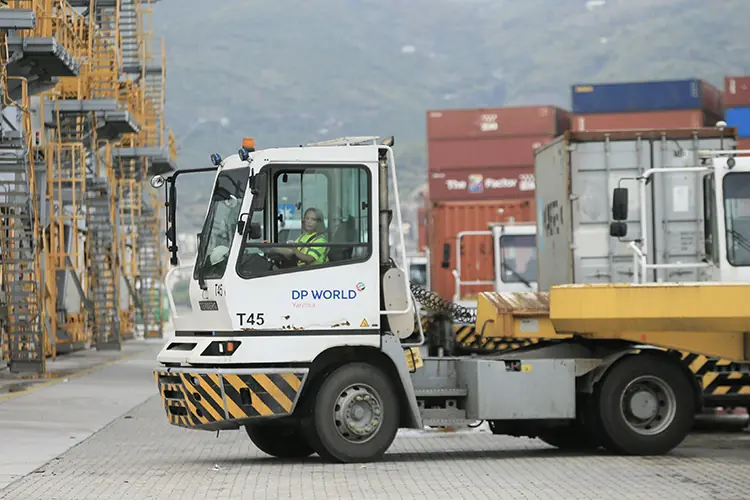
{"x": 217, "y": 399}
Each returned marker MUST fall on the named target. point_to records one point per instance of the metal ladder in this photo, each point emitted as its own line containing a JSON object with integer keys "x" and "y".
{"x": 102, "y": 266}
{"x": 21, "y": 279}
{"x": 153, "y": 90}
{"x": 129, "y": 36}
{"x": 150, "y": 272}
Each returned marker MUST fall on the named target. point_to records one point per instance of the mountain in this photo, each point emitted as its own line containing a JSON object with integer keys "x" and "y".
{"x": 290, "y": 72}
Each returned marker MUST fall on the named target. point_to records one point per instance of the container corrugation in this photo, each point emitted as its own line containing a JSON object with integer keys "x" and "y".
{"x": 736, "y": 91}
{"x": 450, "y": 154}
{"x": 496, "y": 122}
{"x": 574, "y": 204}
{"x": 446, "y": 220}
{"x": 645, "y": 120}
{"x": 739, "y": 118}
{"x": 488, "y": 183}
{"x": 646, "y": 96}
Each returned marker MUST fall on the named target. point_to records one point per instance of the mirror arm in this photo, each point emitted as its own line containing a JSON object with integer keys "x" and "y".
{"x": 170, "y": 206}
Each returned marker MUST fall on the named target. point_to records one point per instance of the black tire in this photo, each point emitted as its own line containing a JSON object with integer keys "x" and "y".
{"x": 572, "y": 437}
{"x": 672, "y": 398}
{"x": 324, "y": 425}
{"x": 279, "y": 440}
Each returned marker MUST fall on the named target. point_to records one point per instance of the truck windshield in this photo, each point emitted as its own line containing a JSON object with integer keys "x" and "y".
{"x": 737, "y": 217}
{"x": 220, "y": 225}
{"x": 518, "y": 258}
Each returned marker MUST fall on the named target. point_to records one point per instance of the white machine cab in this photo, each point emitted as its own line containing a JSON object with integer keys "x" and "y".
{"x": 287, "y": 246}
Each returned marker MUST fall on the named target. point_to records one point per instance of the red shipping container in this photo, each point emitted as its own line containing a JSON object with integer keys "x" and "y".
{"x": 646, "y": 120}
{"x": 421, "y": 229}
{"x": 736, "y": 91}
{"x": 743, "y": 144}
{"x": 496, "y": 122}
{"x": 446, "y": 220}
{"x": 494, "y": 183}
{"x": 479, "y": 153}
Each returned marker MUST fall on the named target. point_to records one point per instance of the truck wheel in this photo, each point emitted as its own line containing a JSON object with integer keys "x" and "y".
{"x": 279, "y": 440}
{"x": 355, "y": 414}
{"x": 572, "y": 437}
{"x": 646, "y": 406}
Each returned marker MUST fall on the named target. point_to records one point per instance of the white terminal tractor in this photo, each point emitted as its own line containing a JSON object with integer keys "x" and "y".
{"x": 302, "y": 331}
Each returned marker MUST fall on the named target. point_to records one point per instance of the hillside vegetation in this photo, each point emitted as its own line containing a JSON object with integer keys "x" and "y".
{"x": 289, "y": 72}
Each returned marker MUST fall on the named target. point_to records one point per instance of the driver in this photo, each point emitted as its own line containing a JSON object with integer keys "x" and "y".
{"x": 313, "y": 229}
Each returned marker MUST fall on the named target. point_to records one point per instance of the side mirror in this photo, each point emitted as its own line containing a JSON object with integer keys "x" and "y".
{"x": 618, "y": 229}
{"x": 620, "y": 204}
{"x": 446, "y": 264}
{"x": 255, "y": 232}
{"x": 157, "y": 181}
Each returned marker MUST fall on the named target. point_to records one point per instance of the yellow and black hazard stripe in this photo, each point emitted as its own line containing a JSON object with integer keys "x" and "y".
{"x": 173, "y": 399}
{"x": 425, "y": 320}
{"x": 719, "y": 377}
{"x": 467, "y": 336}
{"x": 261, "y": 394}
{"x": 203, "y": 400}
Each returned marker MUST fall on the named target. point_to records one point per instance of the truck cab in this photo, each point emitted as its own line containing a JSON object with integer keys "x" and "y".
{"x": 725, "y": 194}
{"x": 514, "y": 258}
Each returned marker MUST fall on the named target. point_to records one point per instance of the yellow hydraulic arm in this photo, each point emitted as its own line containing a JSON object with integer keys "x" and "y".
{"x": 712, "y": 319}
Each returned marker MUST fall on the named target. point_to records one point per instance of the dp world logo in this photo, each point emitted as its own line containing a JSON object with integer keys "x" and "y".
{"x": 360, "y": 286}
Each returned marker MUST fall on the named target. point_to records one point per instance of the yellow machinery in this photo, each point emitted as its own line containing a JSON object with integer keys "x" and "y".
{"x": 706, "y": 318}
{"x": 72, "y": 272}
{"x": 724, "y": 382}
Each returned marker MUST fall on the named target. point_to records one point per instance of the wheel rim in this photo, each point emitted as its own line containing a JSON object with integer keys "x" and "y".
{"x": 358, "y": 413}
{"x": 648, "y": 405}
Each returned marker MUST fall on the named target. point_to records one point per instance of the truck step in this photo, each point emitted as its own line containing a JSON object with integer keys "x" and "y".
{"x": 441, "y": 393}
{"x": 448, "y": 422}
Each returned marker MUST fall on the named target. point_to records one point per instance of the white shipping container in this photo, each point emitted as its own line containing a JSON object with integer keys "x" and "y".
{"x": 575, "y": 176}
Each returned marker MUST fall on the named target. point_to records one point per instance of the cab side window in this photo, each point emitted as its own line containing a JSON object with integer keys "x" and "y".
{"x": 313, "y": 217}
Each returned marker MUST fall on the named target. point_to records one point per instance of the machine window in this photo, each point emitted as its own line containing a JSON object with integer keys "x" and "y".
{"x": 220, "y": 226}
{"x": 737, "y": 217}
{"x": 518, "y": 258}
{"x": 312, "y": 217}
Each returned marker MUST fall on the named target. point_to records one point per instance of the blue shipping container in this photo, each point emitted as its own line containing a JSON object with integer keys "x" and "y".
{"x": 646, "y": 96}
{"x": 740, "y": 118}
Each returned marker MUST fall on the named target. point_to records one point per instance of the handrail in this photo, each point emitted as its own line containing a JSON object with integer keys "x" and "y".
{"x": 402, "y": 245}
{"x": 457, "y": 271}
{"x": 56, "y": 19}
{"x": 172, "y": 145}
{"x": 641, "y": 265}
{"x": 167, "y": 278}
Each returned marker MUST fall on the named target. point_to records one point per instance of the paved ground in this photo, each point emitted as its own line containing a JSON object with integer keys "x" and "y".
{"x": 139, "y": 456}
{"x": 74, "y": 363}
{"x": 48, "y": 419}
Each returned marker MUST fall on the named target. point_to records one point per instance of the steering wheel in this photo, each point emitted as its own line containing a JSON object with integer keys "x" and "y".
{"x": 258, "y": 262}
{"x": 279, "y": 259}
